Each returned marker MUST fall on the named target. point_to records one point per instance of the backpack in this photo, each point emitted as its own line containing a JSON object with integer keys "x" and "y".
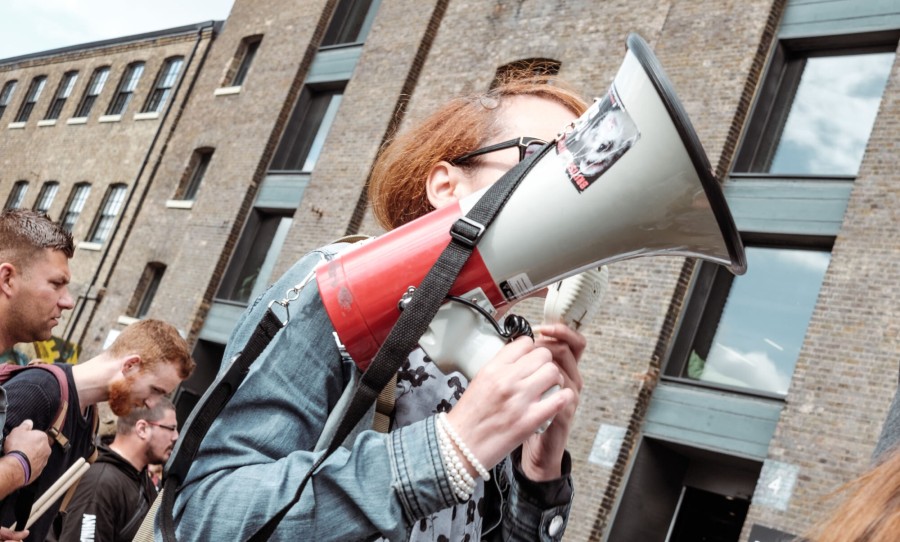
{"x": 8, "y": 370}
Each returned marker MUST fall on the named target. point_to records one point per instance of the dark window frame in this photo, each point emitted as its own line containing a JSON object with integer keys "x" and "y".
{"x": 17, "y": 195}
{"x": 126, "y": 88}
{"x": 303, "y": 127}
{"x": 776, "y": 96}
{"x": 91, "y": 92}
{"x": 6, "y": 94}
{"x": 46, "y": 196}
{"x": 236, "y": 287}
{"x": 35, "y": 89}
{"x": 196, "y": 171}
{"x": 74, "y": 205}
{"x": 246, "y": 54}
{"x": 104, "y": 221}
{"x": 146, "y": 289}
{"x": 63, "y": 92}
{"x": 707, "y": 295}
{"x": 350, "y": 23}
{"x": 166, "y": 80}
{"x": 536, "y": 66}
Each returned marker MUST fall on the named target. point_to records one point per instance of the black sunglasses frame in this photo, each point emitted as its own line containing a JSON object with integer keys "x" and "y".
{"x": 173, "y": 428}
{"x": 521, "y": 142}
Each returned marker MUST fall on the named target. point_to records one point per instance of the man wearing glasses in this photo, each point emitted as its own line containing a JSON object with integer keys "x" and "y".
{"x": 116, "y": 492}
{"x": 145, "y": 362}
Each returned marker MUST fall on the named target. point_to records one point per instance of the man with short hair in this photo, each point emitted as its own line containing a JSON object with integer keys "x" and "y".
{"x": 34, "y": 277}
{"x": 116, "y": 492}
{"x": 146, "y": 362}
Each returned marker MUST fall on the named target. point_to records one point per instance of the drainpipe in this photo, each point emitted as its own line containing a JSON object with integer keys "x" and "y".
{"x": 83, "y": 299}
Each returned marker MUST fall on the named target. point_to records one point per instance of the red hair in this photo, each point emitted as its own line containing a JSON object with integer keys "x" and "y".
{"x": 869, "y": 510}
{"x": 397, "y": 187}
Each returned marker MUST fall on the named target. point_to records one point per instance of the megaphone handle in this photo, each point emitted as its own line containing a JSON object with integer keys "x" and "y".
{"x": 547, "y": 423}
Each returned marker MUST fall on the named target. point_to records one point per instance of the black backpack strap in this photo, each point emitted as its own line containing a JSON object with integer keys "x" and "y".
{"x": 213, "y": 401}
{"x": 466, "y": 232}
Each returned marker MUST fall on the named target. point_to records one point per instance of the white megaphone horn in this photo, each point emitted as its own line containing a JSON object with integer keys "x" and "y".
{"x": 628, "y": 178}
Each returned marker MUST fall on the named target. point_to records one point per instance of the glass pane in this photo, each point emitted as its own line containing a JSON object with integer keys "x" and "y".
{"x": 764, "y": 320}
{"x": 322, "y": 133}
{"x": 254, "y": 258}
{"x": 832, "y": 115}
{"x": 350, "y": 23}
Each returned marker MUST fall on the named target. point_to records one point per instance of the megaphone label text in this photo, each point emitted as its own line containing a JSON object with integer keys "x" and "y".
{"x": 600, "y": 136}
{"x": 517, "y": 286}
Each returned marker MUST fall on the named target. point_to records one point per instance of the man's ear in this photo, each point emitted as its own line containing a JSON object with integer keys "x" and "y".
{"x": 132, "y": 364}
{"x": 8, "y": 272}
{"x": 442, "y": 184}
{"x": 142, "y": 428}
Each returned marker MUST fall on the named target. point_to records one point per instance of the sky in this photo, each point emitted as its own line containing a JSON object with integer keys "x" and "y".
{"x": 31, "y": 26}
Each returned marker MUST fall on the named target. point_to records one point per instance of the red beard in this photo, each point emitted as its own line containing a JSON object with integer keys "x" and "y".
{"x": 120, "y": 397}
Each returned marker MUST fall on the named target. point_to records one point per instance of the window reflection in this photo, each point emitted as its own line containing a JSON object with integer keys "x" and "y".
{"x": 832, "y": 115}
{"x": 763, "y": 321}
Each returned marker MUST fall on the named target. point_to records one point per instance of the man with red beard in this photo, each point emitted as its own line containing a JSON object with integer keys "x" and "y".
{"x": 145, "y": 362}
{"x": 116, "y": 492}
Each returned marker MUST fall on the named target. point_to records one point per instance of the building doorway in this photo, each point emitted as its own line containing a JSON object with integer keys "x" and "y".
{"x": 679, "y": 493}
{"x": 704, "y": 516}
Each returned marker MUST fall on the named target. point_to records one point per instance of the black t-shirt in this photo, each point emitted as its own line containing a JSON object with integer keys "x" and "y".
{"x": 35, "y": 395}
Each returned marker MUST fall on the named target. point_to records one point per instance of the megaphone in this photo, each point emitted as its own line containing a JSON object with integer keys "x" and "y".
{"x": 627, "y": 179}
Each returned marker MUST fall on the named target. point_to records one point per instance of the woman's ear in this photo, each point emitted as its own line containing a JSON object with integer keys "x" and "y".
{"x": 442, "y": 183}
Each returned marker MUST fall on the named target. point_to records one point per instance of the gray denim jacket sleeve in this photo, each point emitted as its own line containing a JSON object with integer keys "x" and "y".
{"x": 260, "y": 447}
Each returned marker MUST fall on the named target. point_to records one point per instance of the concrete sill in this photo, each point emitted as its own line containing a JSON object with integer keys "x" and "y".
{"x": 90, "y": 246}
{"x": 127, "y": 320}
{"x": 16, "y": 125}
{"x": 77, "y": 120}
{"x": 151, "y": 115}
{"x": 225, "y": 91}
{"x": 50, "y": 122}
{"x": 110, "y": 118}
{"x": 180, "y": 204}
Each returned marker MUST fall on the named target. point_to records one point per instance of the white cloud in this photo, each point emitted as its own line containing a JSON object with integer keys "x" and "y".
{"x": 749, "y": 369}
{"x": 31, "y": 26}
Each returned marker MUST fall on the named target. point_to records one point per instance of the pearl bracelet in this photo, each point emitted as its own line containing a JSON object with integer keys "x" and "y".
{"x": 470, "y": 457}
{"x": 461, "y": 481}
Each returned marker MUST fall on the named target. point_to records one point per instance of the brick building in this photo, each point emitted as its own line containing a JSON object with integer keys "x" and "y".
{"x": 714, "y": 406}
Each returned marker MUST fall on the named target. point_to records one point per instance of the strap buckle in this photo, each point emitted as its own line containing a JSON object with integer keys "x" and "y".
{"x": 462, "y": 231}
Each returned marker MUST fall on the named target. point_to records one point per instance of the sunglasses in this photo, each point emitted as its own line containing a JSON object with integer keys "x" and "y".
{"x": 164, "y": 426}
{"x": 527, "y": 146}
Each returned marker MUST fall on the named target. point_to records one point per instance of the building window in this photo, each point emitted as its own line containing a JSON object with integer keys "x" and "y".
{"x": 823, "y": 110}
{"x": 306, "y": 130}
{"x": 62, "y": 94}
{"x": 747, "y": 331}
{"x": 165, "y": 81}
{"x": 527, "y": 67}
{"x": 194, "y": 176}
{"x": 126, "y": 88}
{"x": 17, "y": 196}
{"x": 350, "y": 23}
{"x": 246, "y": 54}
{"x": 109, "y": 209}
{"x": 31, "y": 98}
{"x": 254, "y": 258}
{"x": 75, "y": 205}
{"x": 6, "y": 95}
{"x": 45, "y": 196}
{"x": 94, "y": 88}
{"x": 146, "y": 289}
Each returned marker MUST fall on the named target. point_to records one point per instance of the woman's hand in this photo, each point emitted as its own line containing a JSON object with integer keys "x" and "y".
{"x": 542, "y": 453}
{"x": 503, "y": 405}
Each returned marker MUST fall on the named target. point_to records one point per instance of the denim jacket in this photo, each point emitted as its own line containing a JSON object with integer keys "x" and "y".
{"x": 259, "y": 448}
